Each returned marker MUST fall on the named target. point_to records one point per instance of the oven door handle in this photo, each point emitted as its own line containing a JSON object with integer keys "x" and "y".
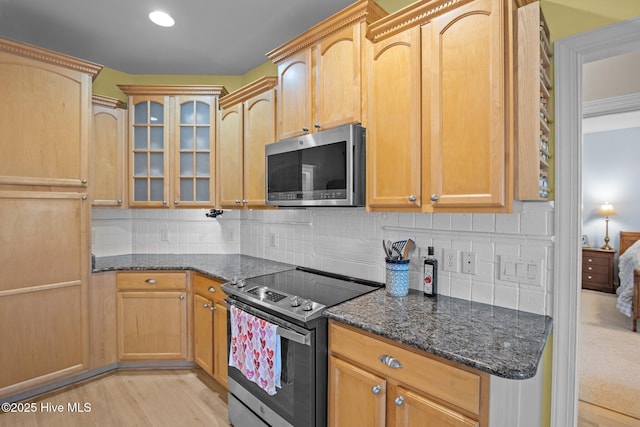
{"x": 287, "y": 333}
{"x": 294, "y": 336}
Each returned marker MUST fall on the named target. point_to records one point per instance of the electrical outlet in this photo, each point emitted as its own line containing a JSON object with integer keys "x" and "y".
{"x": 164, "y": 234}
{"x": 273, "y": 240}
{"x": 450, "y": 260}
{"x": 469, "y": 260}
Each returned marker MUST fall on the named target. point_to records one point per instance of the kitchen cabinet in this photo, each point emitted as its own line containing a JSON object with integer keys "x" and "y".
{"x": 321, "y": 72}
{"x": 247, "y": 123}
{"x": 534, "y": 142}
{"x": 444, "y": 141}
{"x": 108, "y": 153}
{"x": 171, "y": 136}
{"x": 392, "y": 385}
{"x": 152, "y": 309}
{"x": 103, "y": 349}
{"x": 210, "y": 327}
{"x": 45, "y": 122}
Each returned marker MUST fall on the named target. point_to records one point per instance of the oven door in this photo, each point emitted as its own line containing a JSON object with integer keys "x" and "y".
{"x": 295, "y": 402}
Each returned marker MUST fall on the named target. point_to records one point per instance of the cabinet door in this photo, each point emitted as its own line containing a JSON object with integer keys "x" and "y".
{"x": 259, "y": 130}
{"x": 415, "y": 410}
{"x": 294, "y": 106}
{"x": 203, "y": 332}
{"x": 338, "y": 85}
{"x": 149, "y": 148}
{"x": 152, "y": 325}
{"x": 464, "y": 77}
{"x": 356, "y": 397}
{"x": 108, "y": 151}
{"x": 393, "y": 133}
{"x": 230, "y": 151}
{"x": 220, "y": 351}
{"x": 194, "y": 146}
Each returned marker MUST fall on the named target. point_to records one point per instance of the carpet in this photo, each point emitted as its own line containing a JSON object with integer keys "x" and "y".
{"x": 608, "y": 355}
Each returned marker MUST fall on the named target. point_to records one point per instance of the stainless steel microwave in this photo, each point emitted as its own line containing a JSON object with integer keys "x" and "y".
{"x": 326, "y": 168}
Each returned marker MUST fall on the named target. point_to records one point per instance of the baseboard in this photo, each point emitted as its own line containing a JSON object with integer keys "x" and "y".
{"x": 74, "y": 379}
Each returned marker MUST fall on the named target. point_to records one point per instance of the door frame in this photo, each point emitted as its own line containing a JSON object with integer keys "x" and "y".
{"x": 570, "y": 54}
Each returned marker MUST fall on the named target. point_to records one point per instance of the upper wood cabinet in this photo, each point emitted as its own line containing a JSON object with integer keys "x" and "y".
{"x": 534, "y": 142}
{"x": 247, "y": 123}
{"x": 108, "y": 153}
{"x": 172, "y": 144}
{"x": 45, "y": 116}
{"x": 440, "y": 93}
{"x": 321, "y": 73}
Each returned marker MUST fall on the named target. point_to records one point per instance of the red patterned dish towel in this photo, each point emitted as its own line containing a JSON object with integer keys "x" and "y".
{"x": 255, "y": 350}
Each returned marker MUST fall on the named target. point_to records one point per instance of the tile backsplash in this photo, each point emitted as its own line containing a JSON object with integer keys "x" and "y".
{"x": 349, "y": 241}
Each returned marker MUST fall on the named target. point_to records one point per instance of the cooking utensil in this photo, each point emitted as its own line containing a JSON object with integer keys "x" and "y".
{"x": 409, "y": 249}
{"x": 398, "y": 246}
{"x": 387, "y": 250}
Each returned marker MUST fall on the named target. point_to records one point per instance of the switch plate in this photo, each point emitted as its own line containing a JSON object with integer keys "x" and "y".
{"x": 469, "y": 261}
{"x": 164, "y": 234}
{"x": 450, "y": 260}
{"x": 521, "y": 270}
{"x": 273, "y": 240}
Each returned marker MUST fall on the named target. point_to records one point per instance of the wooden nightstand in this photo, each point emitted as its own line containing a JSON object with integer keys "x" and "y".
{"x": 597, "y": 269}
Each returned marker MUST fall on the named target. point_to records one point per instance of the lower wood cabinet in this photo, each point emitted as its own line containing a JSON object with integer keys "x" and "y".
{"x": 210, "y": 327}
{"x": 390, "y": 385}
{"x": 151, "y": 310}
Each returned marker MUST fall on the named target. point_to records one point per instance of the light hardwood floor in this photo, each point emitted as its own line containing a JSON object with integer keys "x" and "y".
{"x": 131, "y": 398}
{"x": 594, "y": 416}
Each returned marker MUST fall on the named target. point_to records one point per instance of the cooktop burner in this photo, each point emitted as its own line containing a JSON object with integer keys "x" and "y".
{"x": 300, "y": 294}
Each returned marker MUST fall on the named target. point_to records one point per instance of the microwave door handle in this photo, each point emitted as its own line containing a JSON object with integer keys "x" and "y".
{"x": 294, "y": 336}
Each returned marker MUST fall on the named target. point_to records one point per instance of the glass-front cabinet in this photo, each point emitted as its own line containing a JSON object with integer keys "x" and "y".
{"x": 172, "y": 140}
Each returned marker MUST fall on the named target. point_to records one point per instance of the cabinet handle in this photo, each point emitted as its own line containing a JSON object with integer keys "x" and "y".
{"x": 238, "y": 201}
{"x": 119, "y": 201}
{"x": 316, "y": 125}
{"x": 399, "y": 400}
{"x": 412, "y": 198}
{"x": 376, "y": 389}
{"x": 434, "y": 198}
{"x": 244, "y": 201}
{"x": 305, "y": 129}
{"x": 390, "y": 361}
{"x": 212, "y": 289}
{"x": 151, "y": 281}
{"x": 181, "y": 297}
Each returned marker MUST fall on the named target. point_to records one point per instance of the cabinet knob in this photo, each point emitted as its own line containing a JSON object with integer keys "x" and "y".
{"x": 434, "y": 198}
{"x": 589, "y": 268}
{"x": 589, "y": 277}
{"x": 119, "y": 201}
{"x": 376, "y": 389}
{"x": 151, "y": 281}
{"x": 212, "y": 308}
{"x": 316, "y": 125}
{"x": 412, "y": 198}
{"x": 207, "y": 305}
{"x": 244, "y": 201}
{"x": 590, "y": 260}
{"x": 175, "y": 202}
{"x": 237, "y": 201}
{"x": 164, "y": 202}
{"x": 305, "y": 129}
{"x": 212, "y": 289}
{"x": 399, "y": 400}
{"x": 181, "y": 297}
{"x": 84, "y": 180}
{"x": 84, "y": 197}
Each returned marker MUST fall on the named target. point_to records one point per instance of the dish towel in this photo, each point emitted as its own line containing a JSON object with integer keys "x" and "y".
{"x": 255, "y": 350}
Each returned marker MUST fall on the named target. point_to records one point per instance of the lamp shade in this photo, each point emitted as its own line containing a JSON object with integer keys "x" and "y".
{"x": 606, "y": 210}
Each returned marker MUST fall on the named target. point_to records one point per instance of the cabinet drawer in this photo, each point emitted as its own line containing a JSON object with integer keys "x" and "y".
{"x": 150, "y": 280}
{"x": 453, "y": 385}
{"x": 588, "y": 278}
{"x": 594, "y": 269}
{"x": 595, "y": 260}
{"x": 208, "y": 288}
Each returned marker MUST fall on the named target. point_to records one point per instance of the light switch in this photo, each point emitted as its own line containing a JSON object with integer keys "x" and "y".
{"x": 521, "y": 270}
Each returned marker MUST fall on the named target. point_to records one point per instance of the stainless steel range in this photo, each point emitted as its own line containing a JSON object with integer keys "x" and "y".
{"x": 293, "y": 301}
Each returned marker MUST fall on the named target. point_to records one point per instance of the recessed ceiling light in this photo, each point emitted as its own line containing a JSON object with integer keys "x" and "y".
{"x": 161, "y": 18}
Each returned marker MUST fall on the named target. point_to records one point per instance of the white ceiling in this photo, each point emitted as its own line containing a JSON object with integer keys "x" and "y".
{"x": 210, "y": 37}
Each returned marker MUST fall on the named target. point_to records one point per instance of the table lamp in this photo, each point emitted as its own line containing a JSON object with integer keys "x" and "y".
{"x": 606, "y": 211}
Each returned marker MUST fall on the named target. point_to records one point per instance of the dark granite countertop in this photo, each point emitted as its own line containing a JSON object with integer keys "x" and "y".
{"x": 503, "y": 342}
{"x": 218, "y": 266}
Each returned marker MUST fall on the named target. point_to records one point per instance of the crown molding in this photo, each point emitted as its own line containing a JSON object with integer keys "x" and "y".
{"x": 172, "y": 90}
{"x": 245, "y": 92}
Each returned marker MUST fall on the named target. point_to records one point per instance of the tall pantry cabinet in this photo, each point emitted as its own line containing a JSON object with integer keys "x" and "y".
{"x": 45, "y": 127}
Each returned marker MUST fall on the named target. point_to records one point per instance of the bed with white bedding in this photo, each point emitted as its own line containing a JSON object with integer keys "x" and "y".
{"x": 629, "y": 273}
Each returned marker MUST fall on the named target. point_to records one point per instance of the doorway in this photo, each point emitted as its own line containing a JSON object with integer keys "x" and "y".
{"x": 570, "y": 54}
